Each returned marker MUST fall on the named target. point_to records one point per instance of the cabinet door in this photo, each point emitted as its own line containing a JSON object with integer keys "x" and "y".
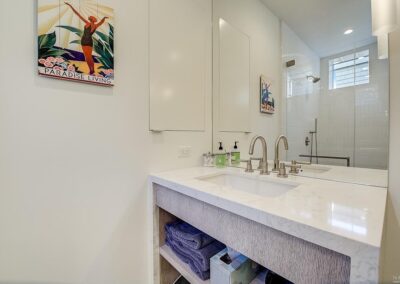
{"x": 180, "y": 63}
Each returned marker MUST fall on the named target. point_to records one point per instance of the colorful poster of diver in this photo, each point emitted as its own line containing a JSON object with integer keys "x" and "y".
{"x": 76, "y": 40}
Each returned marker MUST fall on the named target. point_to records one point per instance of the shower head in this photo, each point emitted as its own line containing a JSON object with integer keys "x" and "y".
{"x": 313, "y": 79}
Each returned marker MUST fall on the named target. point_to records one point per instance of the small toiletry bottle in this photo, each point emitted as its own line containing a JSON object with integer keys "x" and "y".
{"x": 220, "y": 157}
{"x": 235, "y": 155}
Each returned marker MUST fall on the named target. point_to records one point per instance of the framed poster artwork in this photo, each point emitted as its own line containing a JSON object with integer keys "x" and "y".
{"x": 267, "y": 101}
{"x": 76, "y": 40}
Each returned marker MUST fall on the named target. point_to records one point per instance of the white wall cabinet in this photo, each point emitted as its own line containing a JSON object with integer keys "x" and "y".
{"x": 180, "y": 64}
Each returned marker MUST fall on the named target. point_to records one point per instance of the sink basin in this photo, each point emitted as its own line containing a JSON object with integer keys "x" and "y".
{"x": 314, "y": 169}
{"x": 250, "y": 185}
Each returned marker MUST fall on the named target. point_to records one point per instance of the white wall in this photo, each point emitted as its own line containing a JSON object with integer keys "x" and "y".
{"x": 302, "y": 107}
{"x": 254, "y": 19}
{"x": 391, "y": 262}
{"x": 74, "y": 159}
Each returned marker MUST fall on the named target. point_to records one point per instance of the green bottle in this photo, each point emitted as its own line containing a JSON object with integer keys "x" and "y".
{"x": 220, "y": 157}
{"x": 235, "y": 156}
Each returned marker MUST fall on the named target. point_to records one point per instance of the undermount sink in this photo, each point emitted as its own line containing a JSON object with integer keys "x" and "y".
{"x": 314, "y": 169}
{"x": 250, "y": 185}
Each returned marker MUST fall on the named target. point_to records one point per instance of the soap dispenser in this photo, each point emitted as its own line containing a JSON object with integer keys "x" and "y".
{"x": 235, "y": 156}
{"x": 220, "y": 157}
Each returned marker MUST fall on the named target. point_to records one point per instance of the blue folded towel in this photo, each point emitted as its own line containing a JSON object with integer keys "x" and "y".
{"x": 188, "y": 235}
{"x": 186, "y": 258}
{"x": 197, "y": 259}
{"x": 201, "y": 257}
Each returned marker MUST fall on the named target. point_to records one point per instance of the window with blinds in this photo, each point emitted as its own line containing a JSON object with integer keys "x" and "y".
{"x": 349, "y": 70}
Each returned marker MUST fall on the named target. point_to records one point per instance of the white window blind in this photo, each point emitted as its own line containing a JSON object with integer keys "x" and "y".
{"x": 349, "y": 70}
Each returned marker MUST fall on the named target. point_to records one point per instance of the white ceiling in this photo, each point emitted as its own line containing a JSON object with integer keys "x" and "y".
{"x": 321, "y": 23}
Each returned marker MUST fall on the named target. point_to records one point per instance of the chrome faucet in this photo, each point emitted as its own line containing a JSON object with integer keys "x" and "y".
{"x": 264, "y": 162}
{"x": 276, "y": 160}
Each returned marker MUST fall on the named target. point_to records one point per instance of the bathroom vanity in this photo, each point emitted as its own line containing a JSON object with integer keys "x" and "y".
{"x": 307, "y": 230}
{"x": 276, "y": 79}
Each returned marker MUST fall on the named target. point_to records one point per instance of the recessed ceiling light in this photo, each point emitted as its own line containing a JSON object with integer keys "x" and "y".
{"x": 349, "y": 31}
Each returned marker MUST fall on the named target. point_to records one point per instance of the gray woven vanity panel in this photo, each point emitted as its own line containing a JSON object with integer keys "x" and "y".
{"x": 293, "y": 258}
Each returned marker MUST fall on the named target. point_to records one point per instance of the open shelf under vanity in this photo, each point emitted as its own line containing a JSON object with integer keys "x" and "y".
{"x": 171, "y": 266}
{"x": 185, "y": 271}
{"x": 180, "y": 266}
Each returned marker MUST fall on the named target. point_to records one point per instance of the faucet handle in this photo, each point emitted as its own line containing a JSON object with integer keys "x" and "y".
{"x": 282, "y": 171}
{"x": 249, "y": 166}
{"x": 294, "y": 167}
{"x": 260, "y": 162}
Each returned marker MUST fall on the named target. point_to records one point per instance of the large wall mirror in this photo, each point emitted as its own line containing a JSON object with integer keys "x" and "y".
{"x": 233, "y": 93}
{"x": 328, "y": 78}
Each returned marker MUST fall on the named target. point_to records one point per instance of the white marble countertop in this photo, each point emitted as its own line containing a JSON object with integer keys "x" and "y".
{"x": 344, "y": 217}
{"x": 350, "y": 211}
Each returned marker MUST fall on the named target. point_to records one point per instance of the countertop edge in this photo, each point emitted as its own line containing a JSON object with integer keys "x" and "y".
{"x": 306, "y": 232}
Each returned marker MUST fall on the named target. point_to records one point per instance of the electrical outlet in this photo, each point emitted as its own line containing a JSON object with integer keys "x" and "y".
{"x": 185, "y": 151}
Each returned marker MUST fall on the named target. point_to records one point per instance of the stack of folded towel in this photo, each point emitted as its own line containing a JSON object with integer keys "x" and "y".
{"x": 192, "y": 246}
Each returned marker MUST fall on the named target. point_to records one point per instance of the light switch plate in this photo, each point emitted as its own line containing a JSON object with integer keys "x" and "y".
{"x": 185, "y": 151}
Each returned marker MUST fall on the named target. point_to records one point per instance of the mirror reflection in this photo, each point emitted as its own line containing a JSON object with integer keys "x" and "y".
{"x": 313, "y": 73}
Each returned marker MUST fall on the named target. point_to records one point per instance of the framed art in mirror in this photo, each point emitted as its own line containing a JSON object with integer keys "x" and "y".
{"x": 267, "y": 101}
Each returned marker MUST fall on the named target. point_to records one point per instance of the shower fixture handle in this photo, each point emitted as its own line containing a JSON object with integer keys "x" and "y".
{"x": 307, "y": 141}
